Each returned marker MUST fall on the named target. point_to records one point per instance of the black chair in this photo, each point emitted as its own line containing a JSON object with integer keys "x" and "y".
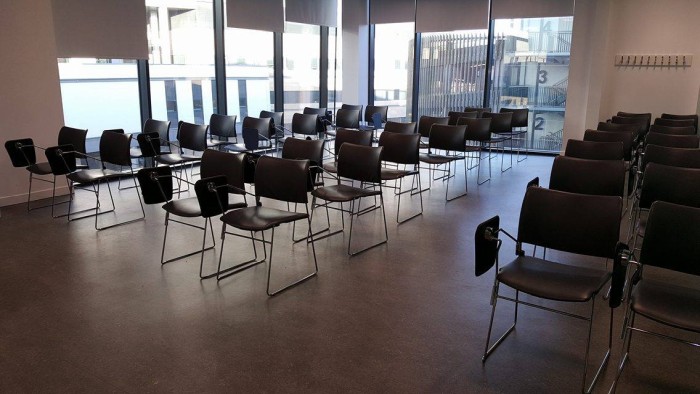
{"x": 357, "y": 137}
{"x": 594, "y": 150}
{"x": 222, "y": 168}
{"x": 370, "y": 112}
{"x": 640, "y": 115}
{"x": 402, "y": 150}
{"x": 149, "y": 146}
{"x": 277, "y": 128}
{"x": 455, "y": 116}
{"x": 684, "y": 130}
{"x": 425, "y": 123}
{"x": 478, "y": 138}
{"x": 76, "y": 138}
{"x": 585, "y": 176}
{"x": 256, "y": 135}
{"x": 23, "y": 154}
{"x": 501, "y": 125}
{"x": 192, "y": 137}
{"x": 677, "y": 157}
{"x": 352, "y": 106}
{"x": 673, "y": 141}
{"x": 305, "y": 124}
{"x": 520, "y": 122}
{"x": 452, "y": 140}
{"x": 400, "y": 127}
{"x": 671, "y": 245}
{"x": 479, "y": 110}
{"x": 277, "y": 179}
{"x": 361, "y": 164}
{"x": 641, "y": 122}
{"x": 608, "y": 126}
{"x": 114, "y": 150}
{"x": 221, "y": 129}
{"x": 625, "y": 137}
{"x": 674, "y": 122}
{"x": 162, "y": 127}
{"x": 694, "y": 117}
{"x": 569, "y": 222}
{"x": 321, "y": 120}
{"x": 346, "y": 118}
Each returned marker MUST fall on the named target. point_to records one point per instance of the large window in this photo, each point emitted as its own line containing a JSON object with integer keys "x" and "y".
{"x": 531, "y": 70}
{"x": 302, "y": 45}
{"x": 452, "y": 71}
{"x": 393, "y": 65}
{"x": 100, "y": 94}
{"x": 181, "y": 42}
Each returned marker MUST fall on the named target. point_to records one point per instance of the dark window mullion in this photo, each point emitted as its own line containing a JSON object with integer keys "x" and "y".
{"x": 323, "y": 69}
{"x": 279, "y": 72}
{"x": 144, "y": 90}
{"x": 220, "y": 57}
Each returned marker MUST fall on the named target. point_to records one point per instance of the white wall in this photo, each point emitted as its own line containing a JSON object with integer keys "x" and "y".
{"x": 30, "y": 103}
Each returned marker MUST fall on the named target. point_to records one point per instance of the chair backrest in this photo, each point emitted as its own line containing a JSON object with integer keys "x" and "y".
{"x": 641, "y": 123}
{"x": 223, "y": 126}
{"x": 683, "y": 130}
{"x": 646, "y": 116}
{"x": 584, "y": 176}
{"x": 72, "y": 136}
{"x": 400, "y": 148}
{"x": 677, "y": 185}
{"x": 454, "y": 116}
{"x": 321, "y": 112}
{"x": 114, "y": 148}
{"x": 281, "y": 179}
{"x": 594, "y": 150}
{"x": 261, "y": 125}
{"x": 251, "y": 138}
{"x": 675, "y": 122}
{"x": 446, "y": 137}
{"x": 311, "y": 150}
{"x": 149, "y": 143}
{"x": 400, "y": 127}
{"x": 61, "y": 159}
{"x": 570, "y": 222}
{"x": 192, "y": 136}
{"x": 626, "y": 137}
{"x": 229, "y": 165}
{"x": 21, "y": 152}
{"x": 426, "y": 122}
{"x": 479, "y": 110}
{"x": 677, "y": 157}
{"x": 351, "y": 106}
{"x": 357, "y": 137}
{"x": 671, "y": 238}
{"x": 347, "y": 118}
{"x": 520, "y": 116}
{"x": 162, "y": 127}
{"x": 212, "y": 196}
{"x": 304, "y": 124}
{"x": 608, "y": 126}
{"x": 500, "y": 122}
{"x": 478, "y": 129}
{"x": 694, "y": 117}
{"x": 276, "y": 120}
{"x": 360, "y": 163}
{"x": 673, "y": 141}
{"x": 156, "y": 184}
{"x": 370, "y": 110}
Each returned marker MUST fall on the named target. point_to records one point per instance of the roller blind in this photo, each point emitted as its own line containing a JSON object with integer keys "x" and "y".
{"x": 108, "y": 29}
{"x": 392, "y": 11}
{"x": 509, "y": 9}
{"x": 265, "y": 15}
{"x": 312, "y": 12}
{"x": 448, "y": 15}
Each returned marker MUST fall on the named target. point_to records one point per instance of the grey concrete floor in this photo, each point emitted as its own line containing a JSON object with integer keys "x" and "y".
{"x": 87, "y": 311}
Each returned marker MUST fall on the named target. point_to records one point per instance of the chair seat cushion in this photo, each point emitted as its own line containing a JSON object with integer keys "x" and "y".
{"x": 668, "y": 304}
{"x": 189, "y": 207}
{"x": 430, "y": 158}
{"x": 343, "y": 193}
{"x": 260, "y": 218}
{"x": 389, "y": 174}
{"x": 40, "y": 169}
{"x": 330, "y": 167}
{"x": 88, "y": 176}
{"x": 551, "y": 280}
{"x": 176, "y": 158}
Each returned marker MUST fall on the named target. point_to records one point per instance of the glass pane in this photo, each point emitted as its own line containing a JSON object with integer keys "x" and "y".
{"x": 393, "y": 65}
{"x": 531, "y": 70}
{"x": 302, "y": 47}
{"x": 100, "y": 94}
{"x": 249, "y": 72}
{"x": 452, "y": 71}
{"x": 181, "y": 42}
